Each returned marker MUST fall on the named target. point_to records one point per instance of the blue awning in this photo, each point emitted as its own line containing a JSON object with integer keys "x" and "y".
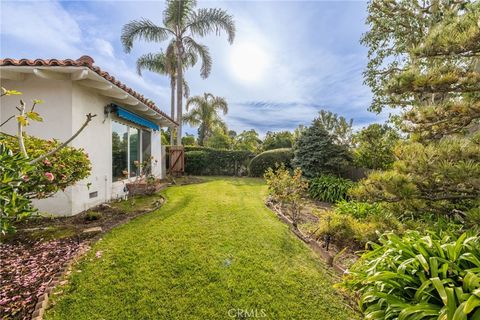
{"x": 132, "y": 117}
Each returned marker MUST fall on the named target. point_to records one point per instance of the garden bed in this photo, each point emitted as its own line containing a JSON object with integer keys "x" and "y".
{"x": 338, "y": 255}
{"x": 34, "y": 257}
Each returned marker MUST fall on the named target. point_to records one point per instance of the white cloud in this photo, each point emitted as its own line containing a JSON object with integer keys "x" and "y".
{"x": 104, "y": 47}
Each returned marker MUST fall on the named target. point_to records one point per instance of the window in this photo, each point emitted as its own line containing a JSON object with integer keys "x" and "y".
{"x": 130, "y": 147}
{"x": 119, "y": 150}
{"x": 146, "y": 148}
{"x": 134, "y": 135}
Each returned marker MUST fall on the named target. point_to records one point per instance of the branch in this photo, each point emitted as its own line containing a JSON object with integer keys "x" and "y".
{"x": 21, "y": 143}
{"x": 4, "y": 122}
{"x": 89, "y": 118}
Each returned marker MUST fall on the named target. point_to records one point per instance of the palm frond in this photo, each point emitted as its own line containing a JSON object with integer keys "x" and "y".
{"x": 154, "y": 62}
{"x": 221, "y": 104}
{"x": 142, "y": 30}
{"x": 202, "y": 51}
{"x": 195, "y": 101}
{"x": 177, "y": 12}
{"x": 186, "y": 89}
{"x": 192, "y": 118}
{"x": 206, "y": 21}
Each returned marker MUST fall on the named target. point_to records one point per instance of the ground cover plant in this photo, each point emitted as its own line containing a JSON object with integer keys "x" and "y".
{"x": 419, "y": 276}
{"x": 197, "y": 259}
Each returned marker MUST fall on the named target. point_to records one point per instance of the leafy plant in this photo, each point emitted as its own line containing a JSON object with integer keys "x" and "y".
{"x": 347, "y": 231}
{"x": 14, "y": 205}
{"x": 359, "y": 210}
{"x": 93, "y": 215}
{"x": 329, "y": 188}
{"x": 287, "y": 189}
{"x": 54, "y": 173}
{"x": 419, "y": 276}
{"x": 269, "y": 159}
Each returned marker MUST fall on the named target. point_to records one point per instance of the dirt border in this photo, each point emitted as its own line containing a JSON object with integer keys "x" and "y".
{"x": 313, "y": 244}
{"x": 60, "y": 277}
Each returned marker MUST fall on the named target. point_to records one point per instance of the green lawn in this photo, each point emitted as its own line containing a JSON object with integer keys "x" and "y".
{"x": 212, "y": 251}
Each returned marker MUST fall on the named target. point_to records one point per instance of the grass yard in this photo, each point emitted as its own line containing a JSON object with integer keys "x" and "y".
{"x": 214, "y": 251}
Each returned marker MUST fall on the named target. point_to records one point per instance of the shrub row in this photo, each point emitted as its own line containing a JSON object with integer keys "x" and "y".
{"x": 329, "y": 188}
{"x": 270, "y": 159}
{"x": 208, "y": 161}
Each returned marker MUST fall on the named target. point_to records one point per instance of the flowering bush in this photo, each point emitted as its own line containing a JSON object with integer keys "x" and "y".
{"x": 54, "y": 173}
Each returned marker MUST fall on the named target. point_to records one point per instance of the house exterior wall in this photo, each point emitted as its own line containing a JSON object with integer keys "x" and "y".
{"x": 65, "y": 106}
{"x": 56, "y": 111}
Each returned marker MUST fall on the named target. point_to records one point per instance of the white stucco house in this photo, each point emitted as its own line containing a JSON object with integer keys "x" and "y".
{"x": 126, "y": 128}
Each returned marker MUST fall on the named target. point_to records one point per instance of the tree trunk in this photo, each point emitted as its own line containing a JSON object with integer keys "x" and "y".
{"x": 172, "y": 108}
{"x": 179, "y": 91}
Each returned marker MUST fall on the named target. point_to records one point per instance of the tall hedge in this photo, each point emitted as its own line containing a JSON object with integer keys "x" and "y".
{"x": 269, "y": 159}
{"x": 208, "y": 161}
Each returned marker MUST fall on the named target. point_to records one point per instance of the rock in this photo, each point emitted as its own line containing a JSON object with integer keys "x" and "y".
{"x": 93, "y": 230}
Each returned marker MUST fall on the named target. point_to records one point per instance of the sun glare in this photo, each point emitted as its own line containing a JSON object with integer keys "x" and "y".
{"x": 249, "y": 61}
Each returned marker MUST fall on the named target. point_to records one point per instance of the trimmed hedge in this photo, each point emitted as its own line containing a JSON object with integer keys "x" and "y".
{"x": 211, "y": 162}
{"x": 269, "y": 159}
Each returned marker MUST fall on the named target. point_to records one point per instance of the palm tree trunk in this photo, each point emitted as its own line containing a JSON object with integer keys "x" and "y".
{"x": 172, "y": 107}
{"x": 179, "y": 91}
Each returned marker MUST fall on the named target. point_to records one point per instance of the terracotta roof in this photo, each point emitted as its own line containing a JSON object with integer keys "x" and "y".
{"x": 83, "y": 61}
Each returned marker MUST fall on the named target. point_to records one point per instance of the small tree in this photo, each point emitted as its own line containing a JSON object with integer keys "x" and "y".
{"x": 374, "y": 146}
{"x": 247, "y": 140}
{"x": 337, "y": 126}
{"x": 219, "y": 140}
{"x": 278, "y": 140}
{"x": 316, "y": 153}
{"x": 287, "y": 189}
{"x": 440, "y": 177}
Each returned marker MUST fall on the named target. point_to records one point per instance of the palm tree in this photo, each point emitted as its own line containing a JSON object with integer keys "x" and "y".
{"x": 181, "y": 25}
{"x": 165, "y": 63}
{"x": 205, "y": 115}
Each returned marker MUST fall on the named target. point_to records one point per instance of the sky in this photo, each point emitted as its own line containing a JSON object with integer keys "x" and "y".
{"x": 289, "y": 59}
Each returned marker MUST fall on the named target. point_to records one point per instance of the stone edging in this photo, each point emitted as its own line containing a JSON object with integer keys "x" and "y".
{"x": 310, "y": 242}
{"x": 43, "y": 300}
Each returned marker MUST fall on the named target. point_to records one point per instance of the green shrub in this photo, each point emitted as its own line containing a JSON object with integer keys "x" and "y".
{"x": 329, "y": 188}
{"x": 14, "y": 205}
{"x": 56, "y": 172}
{"x": 216, "y": 162}
{"x": 270, "y": 159}
{"x": 287, "y": 189}
{"x": 359, "y": 210}
{"x": 345, "y": 230}
{"x": 93, "y": 215}
{"x": 195, "y": 162}
{"x": 419, "y": 276}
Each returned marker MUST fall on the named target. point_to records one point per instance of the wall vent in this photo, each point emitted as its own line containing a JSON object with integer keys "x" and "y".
{"x": 93, "y": 194}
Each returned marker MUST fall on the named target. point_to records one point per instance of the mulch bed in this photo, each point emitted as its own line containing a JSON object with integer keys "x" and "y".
{"x": 42, "y": 247}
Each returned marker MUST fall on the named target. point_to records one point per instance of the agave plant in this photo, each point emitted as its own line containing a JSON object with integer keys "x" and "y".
{"x": 419, "y": 276}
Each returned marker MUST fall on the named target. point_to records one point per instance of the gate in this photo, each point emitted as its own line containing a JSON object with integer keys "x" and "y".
{"x": 177, "y": 160}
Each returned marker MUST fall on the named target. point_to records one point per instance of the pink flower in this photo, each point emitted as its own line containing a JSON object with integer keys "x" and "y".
{"x": 49, "y": 176}
{"x": 47, "y": 163}
{"x": 26, "y": 178}
{"x": 98, "y": 254}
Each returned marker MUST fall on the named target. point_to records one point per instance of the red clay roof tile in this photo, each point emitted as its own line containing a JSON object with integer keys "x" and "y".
{"x": 84, "y": 61}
